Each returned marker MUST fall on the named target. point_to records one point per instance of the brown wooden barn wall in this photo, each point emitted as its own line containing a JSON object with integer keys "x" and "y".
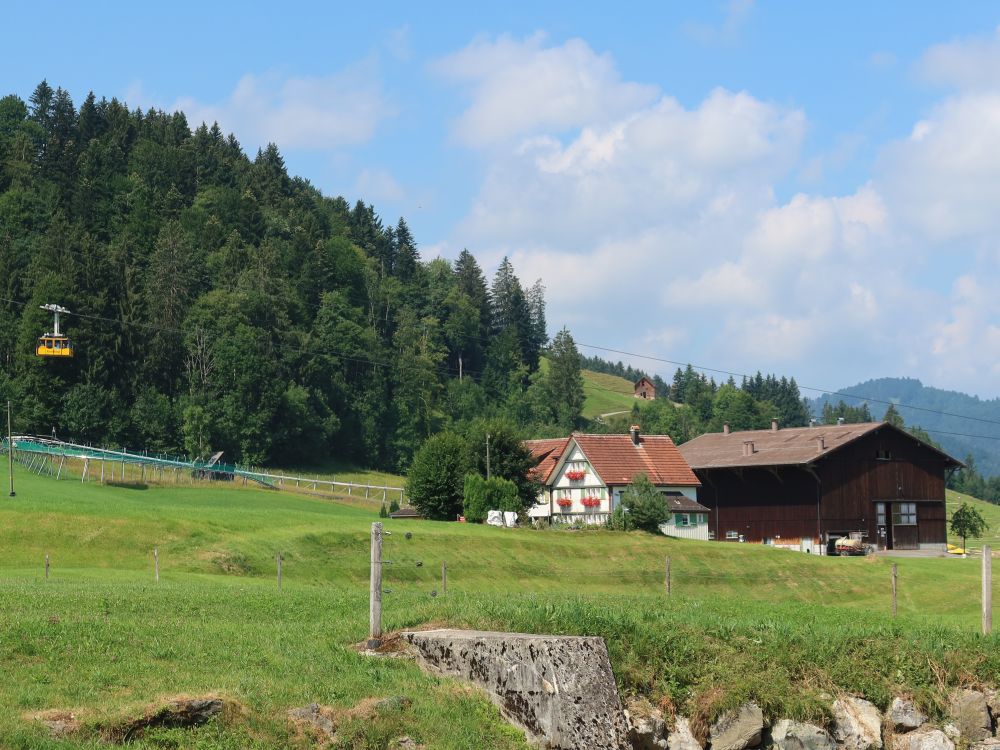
{"x": 762, "y": 503}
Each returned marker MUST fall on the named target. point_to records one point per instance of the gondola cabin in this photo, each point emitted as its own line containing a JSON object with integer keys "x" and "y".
{"x": 54, "y": 344}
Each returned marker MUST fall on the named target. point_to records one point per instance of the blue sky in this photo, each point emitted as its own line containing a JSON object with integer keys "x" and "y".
{"x": 746, "y": 185}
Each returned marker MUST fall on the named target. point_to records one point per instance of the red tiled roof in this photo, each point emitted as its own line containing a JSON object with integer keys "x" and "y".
{"x": 546, "y": 454}
{"x": 616, "y": 459}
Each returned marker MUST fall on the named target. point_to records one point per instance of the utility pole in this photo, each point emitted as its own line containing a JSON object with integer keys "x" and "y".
{"x": 487, "y": 455}
{"x": 459, "y": 368}
{"x": 10, "y": 452}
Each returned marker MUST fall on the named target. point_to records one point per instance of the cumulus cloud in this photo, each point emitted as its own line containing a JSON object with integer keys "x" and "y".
{"x": 972, "y": 63}
{"x": 520, "y": 85}
{"x": 328, "y": 112}
{"x": 658, "y": 227}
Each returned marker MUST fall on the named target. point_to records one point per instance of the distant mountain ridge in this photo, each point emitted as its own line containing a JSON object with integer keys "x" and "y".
{"x": 959, "y": 407}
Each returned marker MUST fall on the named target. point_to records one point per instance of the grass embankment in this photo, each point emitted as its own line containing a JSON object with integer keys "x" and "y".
{"x": 606, "y": 394}
{"x": 100, "y": 637}
{"x": 989, "y": 511}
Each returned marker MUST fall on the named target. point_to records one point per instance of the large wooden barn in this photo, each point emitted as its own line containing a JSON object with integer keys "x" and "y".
{"x": 806, "y": 487}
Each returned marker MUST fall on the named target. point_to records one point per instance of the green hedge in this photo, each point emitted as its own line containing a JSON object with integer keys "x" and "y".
{"x": 483, "y": 495}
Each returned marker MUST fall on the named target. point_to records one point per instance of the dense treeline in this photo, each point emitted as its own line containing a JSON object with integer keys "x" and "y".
{"x": 222, "y": 304}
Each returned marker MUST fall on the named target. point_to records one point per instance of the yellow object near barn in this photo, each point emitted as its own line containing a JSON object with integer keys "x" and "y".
{"x": 54, "y": 344}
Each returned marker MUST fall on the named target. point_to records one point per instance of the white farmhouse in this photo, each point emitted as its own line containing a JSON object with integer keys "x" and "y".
{"x": 583, "y": 477}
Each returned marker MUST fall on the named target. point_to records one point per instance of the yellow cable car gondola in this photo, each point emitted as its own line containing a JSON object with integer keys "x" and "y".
{"x": 54, "y": 344}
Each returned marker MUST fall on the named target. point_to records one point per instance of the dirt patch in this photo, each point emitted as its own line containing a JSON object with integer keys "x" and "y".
{"x": 178, "y": 712}
{"x": 234, "y": 563}
{"x": 59, "y": 722}
{"x": 321, "y": 723}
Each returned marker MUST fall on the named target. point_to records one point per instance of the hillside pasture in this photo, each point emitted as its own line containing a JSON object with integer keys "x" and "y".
{"x": 100, "y": 638}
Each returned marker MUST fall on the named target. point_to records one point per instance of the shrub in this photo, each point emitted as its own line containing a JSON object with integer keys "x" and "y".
{"x": 484, "y": 495}
{"x": 437, "y": 475}
{"x": 393, "y": 505}
{"x": 646, "y": 507}
{"x": 619, "y": 520}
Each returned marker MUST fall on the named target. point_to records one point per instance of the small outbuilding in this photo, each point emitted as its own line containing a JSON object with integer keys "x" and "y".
{"x": 645, "y": 389}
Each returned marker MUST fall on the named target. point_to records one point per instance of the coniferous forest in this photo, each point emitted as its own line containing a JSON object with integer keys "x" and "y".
{"x": 221, "y": 304}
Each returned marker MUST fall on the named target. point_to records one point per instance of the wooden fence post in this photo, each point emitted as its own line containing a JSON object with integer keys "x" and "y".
{"x": 156, "y": 564}
{"x": 667, "y": 578}
{"x": 444, "y": 578}
{"x": 46, "y": 566}
{"x": 987, "y": 589}
{"x": 277, "y": 560}
{"x": 375, "y": 588}
{"x": 894, "y": 576}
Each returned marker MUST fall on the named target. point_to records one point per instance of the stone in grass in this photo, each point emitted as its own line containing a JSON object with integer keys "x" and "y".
{"x": 993, "y": 743}
{"x": 796, "y": 735}
{"x": 857, "y": 724}
{"x": 738, "y": 729}
{"x": 904, "y": 715}
{"x": 970, "y": 713}
{"x": 681, "y": 737}
{"x": 559, "y": 689}
{"x": 59, "y": 724}
{"x": 925, "y": 738}
{"x": 648, "y": 730}
{"x": 317, "y": 717}
{"x": 405, "y": 743}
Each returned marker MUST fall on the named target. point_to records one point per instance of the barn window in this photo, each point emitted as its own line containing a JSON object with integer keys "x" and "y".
{"x": 905, "y": 514}
{"x": 732, "y": 535}
{"x": 883, "y": 455}
{"x": 880, "y": 514}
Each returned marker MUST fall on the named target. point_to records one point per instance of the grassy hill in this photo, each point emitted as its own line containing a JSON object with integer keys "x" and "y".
{"x": 603, "y": 393}
{"x": 989, "y": 511}
{"x": 102, "y": 639}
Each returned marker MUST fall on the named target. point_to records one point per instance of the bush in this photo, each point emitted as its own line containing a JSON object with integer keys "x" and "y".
{"x": 393, "y": 505}
{"x": 437, "y": 476}
{"x": 647, "y": 508}
{"x": 619, "y": 520}
{"x": 483, "y": 495}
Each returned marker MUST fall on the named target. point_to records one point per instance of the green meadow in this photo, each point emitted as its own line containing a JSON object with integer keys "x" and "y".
{"x": 102, "y": 640}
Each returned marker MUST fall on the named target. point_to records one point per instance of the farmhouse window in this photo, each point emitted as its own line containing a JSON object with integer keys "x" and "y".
{"x": 565, "y": 495}
{"x": 682, "y": 519}
{"x": 905, "y": 514}
{"x": 732, "y": 535}
{"x": 702, "y": 518}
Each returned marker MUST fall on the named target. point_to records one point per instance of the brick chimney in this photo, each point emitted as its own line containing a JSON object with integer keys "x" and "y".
{"x": 774, "y": 424}
{"x": 840, "y": 420}
{"x": 725, "y": 428}
{"x": 748, "y": 449}
{"x": 821, "y": 443}
{"x": 633, "y": 431}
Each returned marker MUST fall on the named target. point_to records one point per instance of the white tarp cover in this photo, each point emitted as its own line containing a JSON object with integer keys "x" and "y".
{"x": 539, "y": 511}
{"x": 501, "y": 518}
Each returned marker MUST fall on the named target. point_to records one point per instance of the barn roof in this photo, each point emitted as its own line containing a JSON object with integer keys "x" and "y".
{"x": 794, "y": 446}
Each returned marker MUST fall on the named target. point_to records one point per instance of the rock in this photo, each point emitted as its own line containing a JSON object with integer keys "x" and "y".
{"x": 649, "y": 731}
{"x": 559, "y": 690}
{"x": 795, "y": 735}
{"x": 738, "y": 728}
{"x": 316, "y": 717}
{"x": 904, "y": 716}
{"x": 989, "y": 744}
{"x": 971, "y": 715}
{"x": 681, "y": 737}
{"x": 857, "y": 724}
{"x": 391, "y": 704}
{"x": 993, "y": 703}
{"x": 952, "y": 731}
{"x": 925, "y": 738}
{"x": 405, "y": 743}
{"x": 59, "y": 724}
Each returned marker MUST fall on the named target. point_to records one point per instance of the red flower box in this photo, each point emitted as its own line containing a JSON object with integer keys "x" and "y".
{"x": 564, "y": 502}
{"x": 591, "y": 502}
{"x": 576, "y": 476}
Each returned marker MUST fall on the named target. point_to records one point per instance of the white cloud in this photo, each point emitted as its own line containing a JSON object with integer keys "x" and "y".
{"x": 737, "y": 12}
{"x": 972, "y": 63}
{"x": 520, "y": 86}
{"x": 329, "y": 112}
{"x": 656, "y": 227}
{"x": 378, "y": 185}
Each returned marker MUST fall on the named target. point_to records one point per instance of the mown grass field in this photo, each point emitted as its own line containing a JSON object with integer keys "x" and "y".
{"x": 101, "y": 638}
{"x": 605, "y": 394}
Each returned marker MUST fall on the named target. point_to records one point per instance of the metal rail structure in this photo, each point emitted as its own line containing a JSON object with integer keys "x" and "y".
{"x": 42, "y": 455}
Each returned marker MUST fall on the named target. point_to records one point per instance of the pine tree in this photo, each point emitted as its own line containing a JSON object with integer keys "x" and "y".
{"x": 565, "y": 380}
{"x": 407, "y": 257}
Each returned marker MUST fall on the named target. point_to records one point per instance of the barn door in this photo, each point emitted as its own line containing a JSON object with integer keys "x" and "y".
{"x": 904, "y": 526}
